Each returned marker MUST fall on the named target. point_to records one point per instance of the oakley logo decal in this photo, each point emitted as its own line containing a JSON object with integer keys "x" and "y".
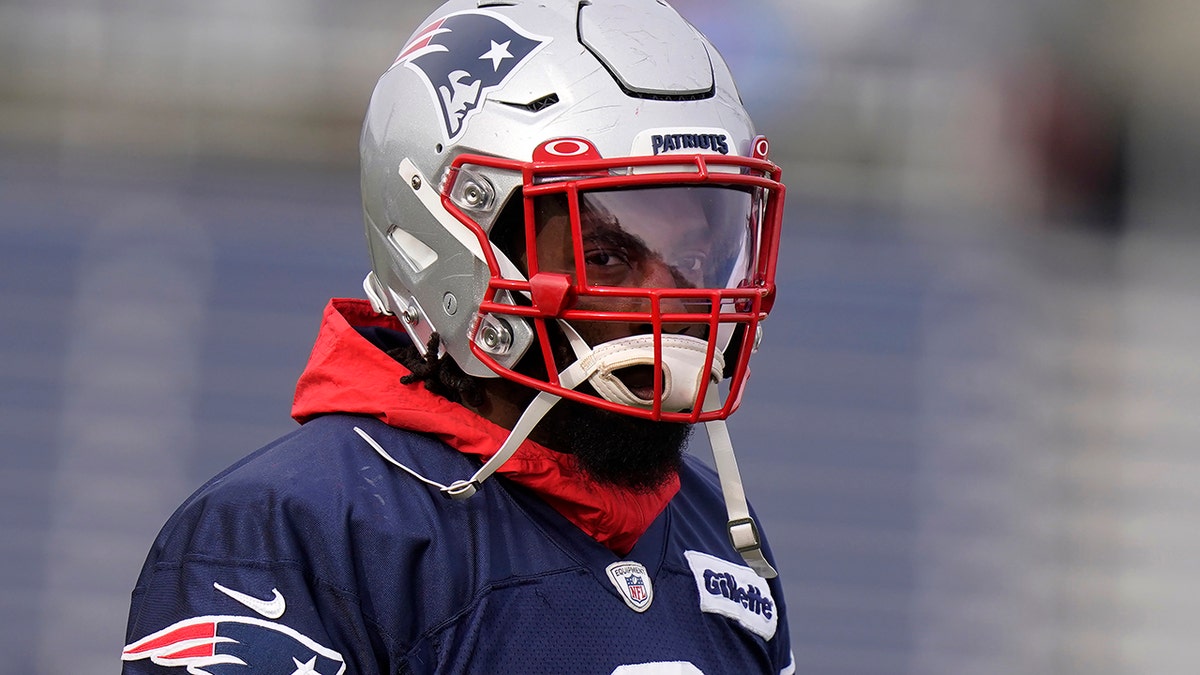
{"x": 568, "y": 147}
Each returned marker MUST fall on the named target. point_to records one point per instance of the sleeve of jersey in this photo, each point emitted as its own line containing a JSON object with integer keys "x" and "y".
{"x": 199, "y": 615}
{"x": 224, "y": 588}
{"x": 781, "y": 645}
{"x": 785, "y": 660}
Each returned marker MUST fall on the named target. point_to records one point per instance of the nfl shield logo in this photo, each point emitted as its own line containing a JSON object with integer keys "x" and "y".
{"x": 637, "y": 587}
{"x": 633, "y": 584}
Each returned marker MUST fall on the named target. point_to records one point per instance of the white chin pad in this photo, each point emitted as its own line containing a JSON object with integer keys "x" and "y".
{"x": 683, "y": 359}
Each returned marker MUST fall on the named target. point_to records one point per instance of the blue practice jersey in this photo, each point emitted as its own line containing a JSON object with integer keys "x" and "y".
{"x": 314, "y": 555}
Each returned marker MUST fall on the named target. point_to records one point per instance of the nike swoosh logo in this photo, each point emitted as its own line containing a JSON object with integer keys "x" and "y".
{"x": 272, "y": 609}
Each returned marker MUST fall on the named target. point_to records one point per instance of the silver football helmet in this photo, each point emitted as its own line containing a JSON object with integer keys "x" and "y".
{"x": 540, "y": 179}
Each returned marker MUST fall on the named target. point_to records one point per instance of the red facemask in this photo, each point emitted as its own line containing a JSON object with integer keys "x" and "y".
{"x": 656, "y": 270}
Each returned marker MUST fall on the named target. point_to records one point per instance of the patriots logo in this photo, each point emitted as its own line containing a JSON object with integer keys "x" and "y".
{"x": 462, "y": 57}
{"x": 233, "y": 645}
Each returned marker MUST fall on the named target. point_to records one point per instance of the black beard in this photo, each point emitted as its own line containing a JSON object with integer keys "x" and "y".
{"x": 613, "y": 449}
{"x": 631, "y": 453}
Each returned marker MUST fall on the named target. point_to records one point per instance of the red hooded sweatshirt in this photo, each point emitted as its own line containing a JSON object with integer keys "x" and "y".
{"x": 348, "y": 374}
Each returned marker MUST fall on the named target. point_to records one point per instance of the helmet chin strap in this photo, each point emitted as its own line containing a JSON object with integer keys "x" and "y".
{"x": 683, "y": 359}
{"x": 682, "y": 354}
{"x": 743, "y": 531}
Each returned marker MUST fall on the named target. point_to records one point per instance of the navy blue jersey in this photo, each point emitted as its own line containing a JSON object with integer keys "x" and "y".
{"x": 315, "y": 553}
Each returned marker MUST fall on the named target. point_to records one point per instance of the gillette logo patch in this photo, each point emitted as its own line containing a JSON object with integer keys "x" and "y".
{"x": 726, "y": 585}
{"x": 735, "y": 592}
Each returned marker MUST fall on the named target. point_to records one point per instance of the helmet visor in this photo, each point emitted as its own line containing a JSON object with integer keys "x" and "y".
{"x": 689, "y": 236}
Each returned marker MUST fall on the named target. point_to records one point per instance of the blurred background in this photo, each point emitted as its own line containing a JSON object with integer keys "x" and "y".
{"x": 972, "y": 430}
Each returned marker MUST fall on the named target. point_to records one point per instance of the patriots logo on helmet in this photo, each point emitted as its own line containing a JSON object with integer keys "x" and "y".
{"x": 229, "y": 645}
{"x": 462, "y": 57}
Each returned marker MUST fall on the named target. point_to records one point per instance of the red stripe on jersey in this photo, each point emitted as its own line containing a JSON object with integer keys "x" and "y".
{"x": 191, "y": 631}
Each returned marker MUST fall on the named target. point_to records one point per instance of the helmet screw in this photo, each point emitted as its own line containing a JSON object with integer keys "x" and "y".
{"x": 496, "y": 336}
{"x": 409, "y": 316}
{"x": 449, "y": 304}
{"x": 473, "y": 194}
{"x": 416, "y": 182}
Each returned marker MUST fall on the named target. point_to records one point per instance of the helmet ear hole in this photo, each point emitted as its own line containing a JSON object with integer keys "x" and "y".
{"x": 508, "y": 234}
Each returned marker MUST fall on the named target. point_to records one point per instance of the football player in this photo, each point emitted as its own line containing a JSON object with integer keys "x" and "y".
{"x": 573, "y": 230}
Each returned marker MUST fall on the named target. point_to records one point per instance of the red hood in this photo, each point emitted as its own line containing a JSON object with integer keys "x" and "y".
{"x": 348, "y": 374}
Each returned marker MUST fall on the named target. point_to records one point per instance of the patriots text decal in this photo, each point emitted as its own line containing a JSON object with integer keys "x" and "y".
{"x": 462, "y": 57}
{"x": 233, "y": 645}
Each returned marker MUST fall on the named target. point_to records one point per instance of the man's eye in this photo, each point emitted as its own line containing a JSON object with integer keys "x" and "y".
{"x": 605, "y": 257}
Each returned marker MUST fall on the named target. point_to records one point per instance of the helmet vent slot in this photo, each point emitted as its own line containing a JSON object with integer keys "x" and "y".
{"x": 413, "y": 251}
{"x": 536, "y": 105}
